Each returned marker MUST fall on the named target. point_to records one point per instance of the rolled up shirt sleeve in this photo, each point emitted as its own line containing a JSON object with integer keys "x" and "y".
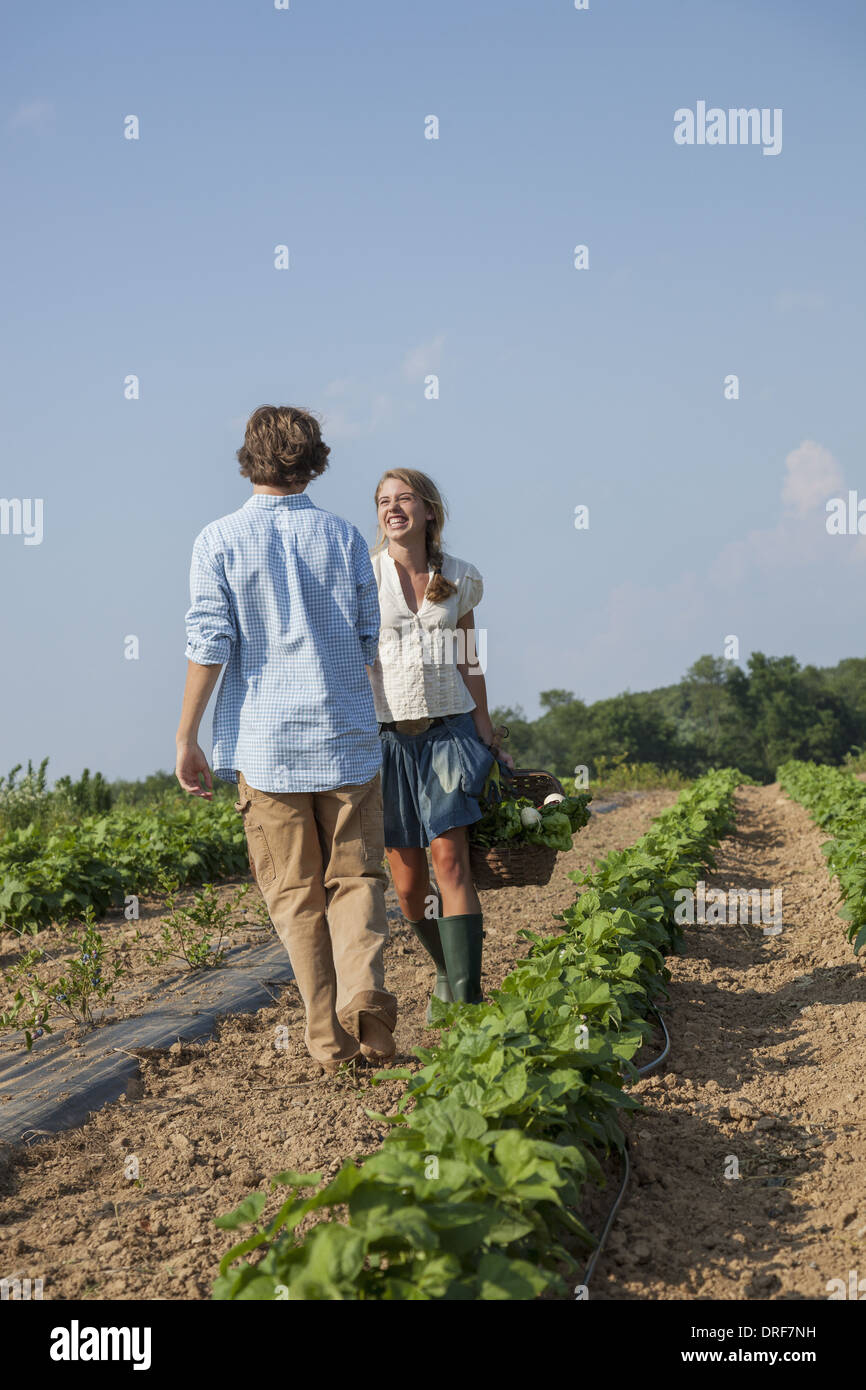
{"x": 211, "y": 628}
{"x": 368, "y": 601}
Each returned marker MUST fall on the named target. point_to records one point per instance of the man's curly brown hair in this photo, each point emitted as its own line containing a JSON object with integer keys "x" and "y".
{"x": 282, "y": 447}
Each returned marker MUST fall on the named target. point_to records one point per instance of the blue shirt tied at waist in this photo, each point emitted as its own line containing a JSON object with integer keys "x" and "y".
{"x": 284, "y": 594}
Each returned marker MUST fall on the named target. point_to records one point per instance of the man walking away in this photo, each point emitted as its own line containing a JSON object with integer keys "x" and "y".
{"x": 283, "y": 595}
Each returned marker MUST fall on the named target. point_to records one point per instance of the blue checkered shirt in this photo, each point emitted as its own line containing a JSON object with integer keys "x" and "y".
{"x": 284, "y": 594}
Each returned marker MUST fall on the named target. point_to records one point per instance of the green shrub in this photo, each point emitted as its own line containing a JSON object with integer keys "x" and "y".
{"x": 24, "y": 801}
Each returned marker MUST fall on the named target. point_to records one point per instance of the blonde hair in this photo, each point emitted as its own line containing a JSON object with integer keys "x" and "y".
{"x": 439, "y": 587}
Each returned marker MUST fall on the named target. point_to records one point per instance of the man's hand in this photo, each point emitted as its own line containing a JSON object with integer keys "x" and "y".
{"x": 191, "y": 764}
{"x": 505, "y": 758}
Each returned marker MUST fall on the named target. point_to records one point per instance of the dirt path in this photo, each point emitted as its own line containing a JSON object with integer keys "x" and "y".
{"x": 768, "y": 1068}
{"x": 205, "y": 1125}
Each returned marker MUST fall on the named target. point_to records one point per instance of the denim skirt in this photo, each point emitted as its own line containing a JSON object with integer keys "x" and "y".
{"x": 431, "y": 781}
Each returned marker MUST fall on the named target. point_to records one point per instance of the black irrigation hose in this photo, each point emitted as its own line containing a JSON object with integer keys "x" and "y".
{"x": 590, "y": 1268}
{"x": 641, "y": 1071}
{"x": 651, "y": 1066}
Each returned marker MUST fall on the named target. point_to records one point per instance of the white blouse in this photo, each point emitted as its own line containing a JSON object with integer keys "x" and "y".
{"x": 415, "y": 674}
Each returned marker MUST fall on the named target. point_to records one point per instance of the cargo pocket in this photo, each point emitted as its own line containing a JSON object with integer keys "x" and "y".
{"x": 261, "y": 859}
{"x": 373, "y": 831}
{"x": 373, "y": 826}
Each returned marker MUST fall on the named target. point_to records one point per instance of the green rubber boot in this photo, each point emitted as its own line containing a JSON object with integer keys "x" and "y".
{"x": 462, "y": 940}
{"x": 427, "y": 932}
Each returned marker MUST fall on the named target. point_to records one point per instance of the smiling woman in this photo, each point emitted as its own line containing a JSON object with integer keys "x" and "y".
{"x": 408, "y": 504}
{"x": 438, "y": 742}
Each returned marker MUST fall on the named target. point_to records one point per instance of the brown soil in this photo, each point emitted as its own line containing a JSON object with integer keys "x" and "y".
{"x": 209, "y": 1123}
{"x": 766, "y": 1067}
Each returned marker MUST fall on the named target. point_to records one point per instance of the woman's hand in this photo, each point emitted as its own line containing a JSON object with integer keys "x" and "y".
{"x": 494, "y": 741}
{"x": 483, "y": 726}
{"x": 488, "y": 738}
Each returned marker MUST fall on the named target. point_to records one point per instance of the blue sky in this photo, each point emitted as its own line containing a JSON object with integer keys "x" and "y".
{"x": 558, "y": 387}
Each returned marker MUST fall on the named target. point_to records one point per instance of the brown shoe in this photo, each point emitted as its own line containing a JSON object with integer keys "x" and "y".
{"x": 332, "y": 1068}
{"x": 377, "y": 1040}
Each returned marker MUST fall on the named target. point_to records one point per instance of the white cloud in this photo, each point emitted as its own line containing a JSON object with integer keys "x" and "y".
{"x": 793, "y": 542}
{"x": 357, "y": 414}
{"x": 812, "y": 476}
{"x": 420, "y": 361}
{"x": 341, "y": 386}
{"x": 798, "y": 540}
{"x": 352, "y": 407}
{"x": 33, "y": 115}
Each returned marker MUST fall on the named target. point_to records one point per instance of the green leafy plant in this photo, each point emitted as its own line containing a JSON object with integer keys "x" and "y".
{"x": 90, "y": 978}
{"x": 472, "y": 1195}
{"x": 517, "y": 820}
{"x": 29, "y": 1008}
{"x": 617, "y": 774}
{"x": 31, "y": 802}
{"x": 88, "y": 796}
{"x": 195, "y": 934}
{"x": 855, "y": 760}
{"x": 258, "y": 914}
{"x": 836, "y": 801}
{"x": 24, "y": 800}
{"x": 100, "y": 859}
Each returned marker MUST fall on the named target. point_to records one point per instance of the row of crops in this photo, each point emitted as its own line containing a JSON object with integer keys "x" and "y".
{"x": 101, "y": 860}
{"x": 837, "y": 803}
{"x": 472, "y": 1195}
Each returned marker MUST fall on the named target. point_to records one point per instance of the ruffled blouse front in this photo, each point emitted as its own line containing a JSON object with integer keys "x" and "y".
{"x": 415, "y": 673}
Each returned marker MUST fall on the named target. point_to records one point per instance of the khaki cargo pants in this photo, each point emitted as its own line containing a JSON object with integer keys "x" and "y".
{"x": 317, "y": 858}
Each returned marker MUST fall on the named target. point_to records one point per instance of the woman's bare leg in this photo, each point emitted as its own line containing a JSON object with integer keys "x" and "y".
{"x": 411, "y": 878}
{"x": 450, "y": 855}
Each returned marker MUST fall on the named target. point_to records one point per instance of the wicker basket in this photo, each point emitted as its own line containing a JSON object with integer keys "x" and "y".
{"x": 517, "y": 865}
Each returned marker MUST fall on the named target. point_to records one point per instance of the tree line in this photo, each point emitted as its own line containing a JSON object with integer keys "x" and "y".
{"x": 718, "y": 715}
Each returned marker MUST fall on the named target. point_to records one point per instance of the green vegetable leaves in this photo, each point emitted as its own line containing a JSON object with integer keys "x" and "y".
{"x": 837, "y": 803}
{"x": 558, "y": 822}
{"x": 93, "y": 863}
{"x": 472, "y": 1195}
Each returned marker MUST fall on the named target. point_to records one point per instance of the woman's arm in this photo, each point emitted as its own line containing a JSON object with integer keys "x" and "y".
{"x": 473, "y": 678}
